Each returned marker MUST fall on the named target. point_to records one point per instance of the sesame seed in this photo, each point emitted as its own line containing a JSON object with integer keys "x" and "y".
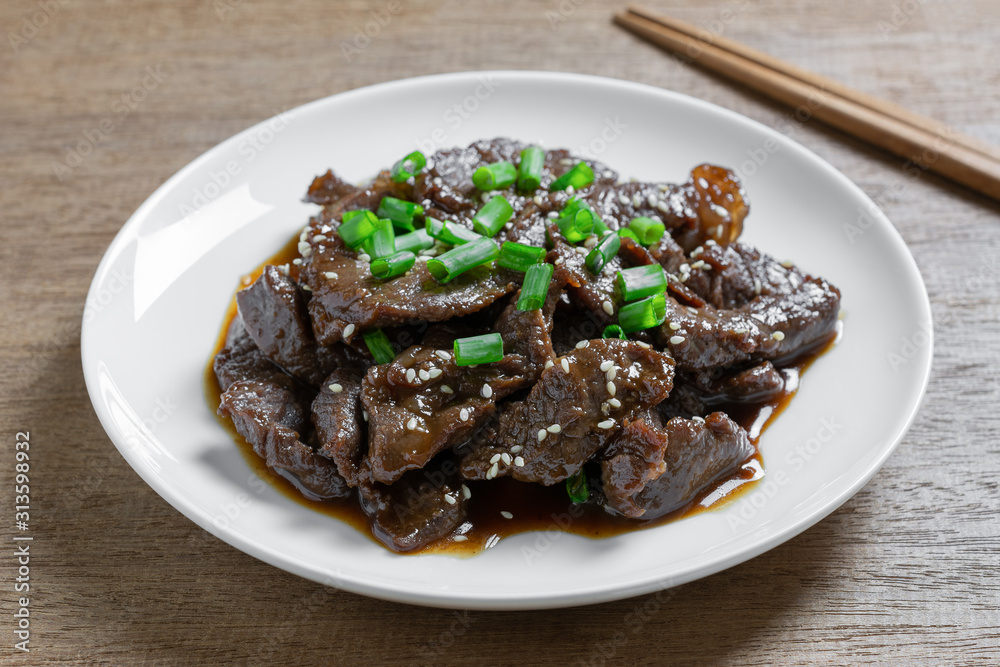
{"x": 464, "y": 414}
{"x": 623, "y": 200}
{"x": 364, "y": 414}
{"x": 614, "y": 402}
{"x": 566, "y": 161}
{"x": 519, "y": 461}
{"x": 570, "y": 190}
{"x": 424, "y": 375}
{"x": 365, "y": 257}
{"x": 284, "y": 269}
{"x": 549, "y": 364}
{"x": 411, "y": 424}
{"x": 756, "y": 286}
{"x": 437, "y": 181}
{"x": 606, "y": 424}
{"x": 505, "y": 457}
{"x": 608, "y": 308}
{"x": 336, "y": 388}
{"x": 445, "y": 389}
{"x": 494, "y": 469}
{"x": 460, "y": 538}
{"x": 348, "y": 330}
{"x": 643, "y": 344}
{"x": 541, "y": 434}
{"x": 778, "y": 336}
{"x": 559, "y": 260}
{"x": 319, "y": 237}
{"x": 700, "y": 420}
{"x": 788, "y": 264}
{"x": 485, "y": 197}
{"x": 612, "y": 389}
{"x": 662, "y": 207}
{"x": 692, "y": 310}
{"x": 652, "y": 200}
{"x": 330, "y": 275}
{"x": 326, "y": 229}
{"x": 444, "y": 355}
{"x": 307, "y": 288}
{"x": 674, "y": 326}
{"x": 509, "y": 226}
{"x": 507, "y": 515}
{"x": 605, "y": 408}
{"x": 565, "y": 364}
{"x": 554, "y": 428}
{"x": 306, "y": 252}
{"x": 516, "y": 448}
{"x": 676, "y": 340}
{"x": 448, "y": 499}
{"x": 740, "y": 330}
{"x": 486, "y": 391}
{"x": 537, "y": 199}
{"x": 494, "y": 458}
{"x": 697, "y": 251}
{"x": 582, "y": 344}
{"x": 699, "y": 264}
{"x": 297, "y": 261}
{"x": 611, "y": 374}
{"x": 410, "y": 375}
{"x": 551, "y": 215}
{"x": 434, "y": 373}
{"x": 304, "y": 235}
{"x": 590, "y": 242}
{"x": 580, "y": 250}
{"x": 606, "y": 365}
{"x": 465, "y": 492}
{"x": 636, "y": 200}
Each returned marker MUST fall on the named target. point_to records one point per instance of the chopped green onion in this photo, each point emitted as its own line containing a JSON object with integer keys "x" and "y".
{"x": 451, "y": 233}
{"x": 520, "y": 257}
{"x": 626, "y": 233}
{"x": 529, "y": 172}
{"x": 535, "y": 287}
{"x": 474, "y": 350}
{"x": 575, "y": 204}
{"x": 576, "y": 488}
{"x": 576, "y": 226}
{"x": 602, "y": 253}
{"x": 393, "y": 265}
{"x": 400, "y": 211}
{"x": 411, "y": 165}
{"x": 379, "y": 345}
{"x": 492, "y": 216}
{"x": 462, "y": 258}
{"x": 414, "y": 241}
{"x": 357, "y": 226}
{"x": 641, "y": 281}
{"x": 647, "y": 230}
{"x": 578, "y": 177}
{"x": 383, "y": 242}
{"x": 496, "y": 176}
{"x": 614, "y": 331}
{"x": 639, "y": 315}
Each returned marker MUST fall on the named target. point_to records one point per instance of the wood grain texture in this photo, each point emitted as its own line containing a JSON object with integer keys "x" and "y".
{"x": 903, "y": 573}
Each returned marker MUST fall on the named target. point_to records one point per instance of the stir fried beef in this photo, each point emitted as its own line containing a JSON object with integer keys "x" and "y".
{"x": 648, "y": 471}
{"x": 321, "y": 375}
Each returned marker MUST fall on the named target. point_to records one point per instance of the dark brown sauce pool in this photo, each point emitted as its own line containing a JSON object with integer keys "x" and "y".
{"x": 534, "y": 507}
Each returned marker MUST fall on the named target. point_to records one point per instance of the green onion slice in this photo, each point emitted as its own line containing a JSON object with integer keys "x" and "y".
{"x": 400, "y": 211}
{"x": 576, "y": 488}
{"x": 383, "y": 242}
{"x": 496, "y": 176}
{"x": 460, "y": 259}
{"x": 379, "y": 345}
{"x": 626, "y": 233}
{"x": 529, "y": 172}
{"x": 602, "y": 253}
{"x": 475, "y": 350}
{"x": 415, "y": 241}
{"x": 491, "y": 217}
{"x": 393, "y": 265}
{"x": 647, "y": 230}
{"x": 575, "y": 204}
{"x": 614, "y": 331}
{"x": 451, "y": 233}
{"x": 411, "y": 165}
{"x": 520, "y": 257}
{"x": 357, "y": 226}
{"x": 639, "y": 315}
{"x": 535, "y": 287}
{"x": 578, "y": 177}
{"x": 641, "y": 281}
{"x": 576, "y": 226}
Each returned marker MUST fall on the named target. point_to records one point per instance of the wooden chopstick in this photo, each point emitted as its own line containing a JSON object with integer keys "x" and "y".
{"x": 927, "y": 143}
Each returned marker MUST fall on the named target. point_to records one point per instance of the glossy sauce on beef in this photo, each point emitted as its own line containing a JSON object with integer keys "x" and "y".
{"x": 533, "y": 507}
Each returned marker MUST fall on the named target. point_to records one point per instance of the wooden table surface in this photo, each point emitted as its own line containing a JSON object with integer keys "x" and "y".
{"x": 905, "y": 572}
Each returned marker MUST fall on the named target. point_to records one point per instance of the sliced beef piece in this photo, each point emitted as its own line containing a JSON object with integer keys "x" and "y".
{"x": 329, "y": 189}
{"x": 648, "y": 472}
{"x": 756, "y": 384}
{"x": 336, "y": 415}
{"x": 365, "y": 197}
{"x": 240, "y": 359}
{"x": 528, "y": 333}
{"x": 269, "y": 414}
{"x": 345, "y": 293}
{"x": 577, "y": 403}
{"x": 721, "y": 205}
{"x": 274, "y": 312}
{"x": 423, "y": 506}
{"x": 422, "y": 403}
{"x": 619, "y": 203}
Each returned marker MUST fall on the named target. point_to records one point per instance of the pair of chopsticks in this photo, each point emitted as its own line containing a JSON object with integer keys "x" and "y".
{"x": 928, "y": 144}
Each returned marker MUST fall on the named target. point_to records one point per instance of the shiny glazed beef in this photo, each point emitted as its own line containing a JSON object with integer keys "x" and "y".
{"x": 645, "y": 420}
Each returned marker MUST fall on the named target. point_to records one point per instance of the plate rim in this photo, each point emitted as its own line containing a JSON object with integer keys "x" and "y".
{"x": 456, "y": 598}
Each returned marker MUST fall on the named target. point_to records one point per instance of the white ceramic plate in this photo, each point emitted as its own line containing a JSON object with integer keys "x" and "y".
{"x": 157, "y": 303}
